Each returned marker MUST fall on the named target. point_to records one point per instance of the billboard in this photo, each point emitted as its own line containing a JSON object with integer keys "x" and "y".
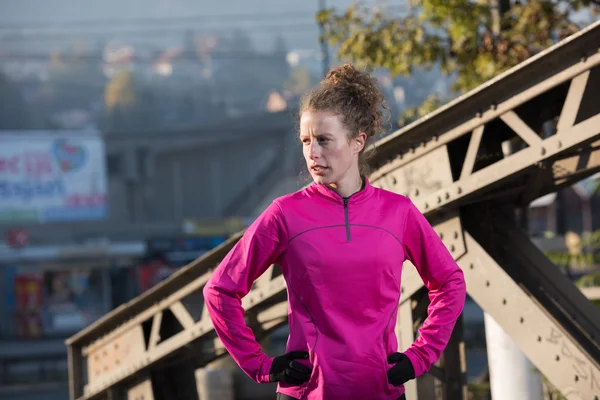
{"x": 52, "y": 177}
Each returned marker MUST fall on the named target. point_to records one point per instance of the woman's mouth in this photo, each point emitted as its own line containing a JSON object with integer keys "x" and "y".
{"x": 317, "y": 169}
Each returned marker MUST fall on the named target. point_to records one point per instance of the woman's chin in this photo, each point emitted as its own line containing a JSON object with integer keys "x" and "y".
{"x": 320, "y": 179}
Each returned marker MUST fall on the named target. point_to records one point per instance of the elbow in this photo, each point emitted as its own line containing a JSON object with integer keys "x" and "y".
{"x": 461, "y": 288}
{"x": 456, "y": 286}
{"x": 460, "y": 282}
{"x": 210, "y": 293}
{"x": 216, "y": 294}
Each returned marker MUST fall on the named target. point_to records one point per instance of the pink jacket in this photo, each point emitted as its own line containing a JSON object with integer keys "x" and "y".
{"x": 342, "y": 262}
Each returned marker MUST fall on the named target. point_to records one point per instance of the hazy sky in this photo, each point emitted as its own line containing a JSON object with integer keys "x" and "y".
{"x": 14, "y": 11}
{"x": 294, "y": 18}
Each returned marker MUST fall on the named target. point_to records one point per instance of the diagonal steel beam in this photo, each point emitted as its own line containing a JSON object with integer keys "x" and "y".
{"x": 549, "y": 346}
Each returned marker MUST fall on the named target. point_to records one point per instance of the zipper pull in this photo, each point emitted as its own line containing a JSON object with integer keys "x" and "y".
{"x": 345, "y": 202}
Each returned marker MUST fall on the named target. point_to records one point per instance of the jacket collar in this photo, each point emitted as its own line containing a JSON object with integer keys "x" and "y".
{"x": 361, "y": 195}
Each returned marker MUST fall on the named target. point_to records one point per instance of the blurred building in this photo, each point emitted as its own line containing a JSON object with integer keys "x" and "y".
{"x": 150, "y": 203}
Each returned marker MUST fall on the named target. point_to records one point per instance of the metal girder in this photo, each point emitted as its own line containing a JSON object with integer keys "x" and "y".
{"x": 491, "y": 146}
{"x": 545, "y": 314}
{"x": 550, "y": 347}
{"x": 171, "y": 324}
{"x": 485, "y": 167}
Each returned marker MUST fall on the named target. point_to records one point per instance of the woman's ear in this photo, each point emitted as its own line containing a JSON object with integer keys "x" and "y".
{"x": 359, "y": 142}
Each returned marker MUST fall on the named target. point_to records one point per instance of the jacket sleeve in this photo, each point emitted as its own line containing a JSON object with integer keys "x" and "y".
{"x": 262, "y": 243}
{"x": 447, "y": 289}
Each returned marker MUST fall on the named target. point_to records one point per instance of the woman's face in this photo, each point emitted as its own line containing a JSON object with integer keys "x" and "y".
{"x": 329, "y": 155}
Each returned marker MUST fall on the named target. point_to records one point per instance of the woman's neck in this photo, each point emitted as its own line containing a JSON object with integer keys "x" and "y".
{"x": 348, "y": 185}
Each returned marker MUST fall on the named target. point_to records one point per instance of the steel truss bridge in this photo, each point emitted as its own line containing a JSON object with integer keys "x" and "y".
{"x": 469, "y": 167}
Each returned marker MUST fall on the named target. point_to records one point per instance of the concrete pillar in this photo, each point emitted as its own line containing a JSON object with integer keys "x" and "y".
{"x": 215, "y": 383}
{"x": 512, "y": 376}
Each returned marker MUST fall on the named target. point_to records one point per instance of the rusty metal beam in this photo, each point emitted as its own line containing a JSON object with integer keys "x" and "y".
{"x": 549, "y": 346}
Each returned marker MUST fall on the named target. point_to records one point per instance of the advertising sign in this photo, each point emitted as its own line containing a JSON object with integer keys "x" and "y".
{"x": 51, "y": 177}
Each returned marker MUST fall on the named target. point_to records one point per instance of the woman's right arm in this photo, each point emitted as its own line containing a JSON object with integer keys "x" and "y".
{"x": 260, "y": 246}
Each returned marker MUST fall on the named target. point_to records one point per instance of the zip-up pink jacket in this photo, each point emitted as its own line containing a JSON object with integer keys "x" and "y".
{"x": 342, "y": 262}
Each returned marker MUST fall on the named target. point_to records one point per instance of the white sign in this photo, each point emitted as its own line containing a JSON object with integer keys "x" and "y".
{"x": 50, "y": 177}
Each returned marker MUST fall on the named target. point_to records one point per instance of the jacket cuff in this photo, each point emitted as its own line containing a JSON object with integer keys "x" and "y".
{"x": 414, "y": 360}
{"x": 265, "y": 369}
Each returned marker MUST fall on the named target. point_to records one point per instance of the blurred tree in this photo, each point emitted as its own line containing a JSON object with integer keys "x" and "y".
{"x": 129, "y": 103}
{"x": 120, "y": 91}
{"x": 472, "y": 41}
{"x": 14, "y": 111}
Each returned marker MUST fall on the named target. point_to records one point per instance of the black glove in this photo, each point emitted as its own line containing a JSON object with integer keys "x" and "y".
{"x": 402, "y": 372}
{"x": 285, "y": 369}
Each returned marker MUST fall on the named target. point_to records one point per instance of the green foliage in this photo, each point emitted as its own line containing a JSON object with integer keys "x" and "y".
{"x": 479, "y": 391}
{"x": 590, "y": 280}
{"x": 411, "y": 114}
{"x": 468, "y": 39}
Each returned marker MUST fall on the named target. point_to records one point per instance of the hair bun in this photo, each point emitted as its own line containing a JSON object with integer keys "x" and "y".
{"x": 345, "y": 74}
{"x": 361, "y": 87}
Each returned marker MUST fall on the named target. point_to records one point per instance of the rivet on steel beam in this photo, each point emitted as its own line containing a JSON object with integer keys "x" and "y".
{"x": 394, "y": 181}
{"x": 459, "y": 190}
{"x": 402, "y": 289}
{"x": 543, "y": 151}
{"x": 472, "y": 266}
{"x": 416, "y": 192}
{"x": 439, "y": 199}
{"x": 441, "y": 236}
{"x": 452, "y": 248}
{"x": 447, "y": 195}
{"x": 494, "y": 106}
{"x": 426, "y": 206}
{"x": 559, "y": 144}
{"x": 521, "y": 320}
{"x": 539, "y": 338}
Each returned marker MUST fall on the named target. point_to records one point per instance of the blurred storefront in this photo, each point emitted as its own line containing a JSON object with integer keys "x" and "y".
{"x": 54, "y": 291}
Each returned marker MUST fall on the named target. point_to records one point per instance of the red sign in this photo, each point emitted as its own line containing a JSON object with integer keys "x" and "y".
{"x": 28, "y": 291}
{"x": 17, "y": 238}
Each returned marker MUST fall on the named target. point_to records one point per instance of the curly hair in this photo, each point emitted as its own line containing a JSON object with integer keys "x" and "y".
{"x": 355, "y": 96}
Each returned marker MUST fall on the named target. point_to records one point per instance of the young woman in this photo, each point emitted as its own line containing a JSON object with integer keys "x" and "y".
{"x": 340, "y": 243}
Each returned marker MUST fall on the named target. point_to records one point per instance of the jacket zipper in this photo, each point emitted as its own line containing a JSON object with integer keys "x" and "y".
{"x": 346, "y": 218}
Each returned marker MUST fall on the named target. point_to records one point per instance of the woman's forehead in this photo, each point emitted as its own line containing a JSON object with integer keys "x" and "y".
{"x": 320, "y": 122}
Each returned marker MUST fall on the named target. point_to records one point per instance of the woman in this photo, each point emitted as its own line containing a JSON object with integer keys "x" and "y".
{"x": 340, "y": 243}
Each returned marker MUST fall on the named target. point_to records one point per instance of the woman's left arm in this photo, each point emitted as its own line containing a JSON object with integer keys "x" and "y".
{"x": 447, "y": 289}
